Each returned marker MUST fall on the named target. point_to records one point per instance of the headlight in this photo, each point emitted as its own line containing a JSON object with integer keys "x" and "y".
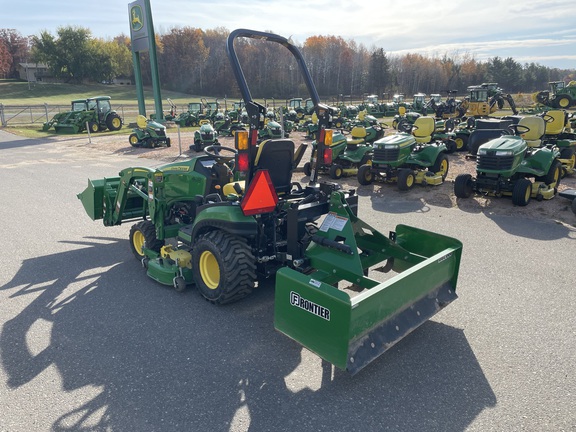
{"x": 389, "y": 146}
{"x": 504, "y": 153}
{"x": 482, "y": 151}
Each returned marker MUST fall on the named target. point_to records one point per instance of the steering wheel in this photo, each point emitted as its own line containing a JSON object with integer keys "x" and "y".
{"x": 214, "y": 151}
{"x": 519, "y": 129}
{"x": 405, "y": 126}
{"x": 547, "y": 118}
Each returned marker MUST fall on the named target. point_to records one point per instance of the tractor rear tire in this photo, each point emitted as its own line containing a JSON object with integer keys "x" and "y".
{"x": 406, "y": 179}
{"x": 143, "y": 234}
{"x": 441, "y": 165}
{"x": 522, "y": 192}
{"x": 570, "y": 155}
{"x": 554, "y": 174}
{"x": 114, "y": 122}
{"x": 461, "y": 142}
{"x": 563, "y": 102}
{"x": 224, "y": 267}
{"x": 463, "y": 186}
{"x": 365, "y": 176}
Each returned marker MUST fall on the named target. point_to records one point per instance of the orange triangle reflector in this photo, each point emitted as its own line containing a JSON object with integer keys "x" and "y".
{"x": 261, "y": 196}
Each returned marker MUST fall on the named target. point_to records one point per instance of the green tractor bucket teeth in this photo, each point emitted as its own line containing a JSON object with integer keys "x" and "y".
{"x": 350, "y": 330}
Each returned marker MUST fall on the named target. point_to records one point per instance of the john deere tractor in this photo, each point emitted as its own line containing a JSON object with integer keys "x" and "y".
{"x": 510, "y": 166}
{"x": 223, "y": 220}
{"x": 94, "y": 113}
{"x": 407, "y": 159}
{"x": 560, "y": 95}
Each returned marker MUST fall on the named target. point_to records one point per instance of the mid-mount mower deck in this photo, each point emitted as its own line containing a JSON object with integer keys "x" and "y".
{"x": 221, "y": 226}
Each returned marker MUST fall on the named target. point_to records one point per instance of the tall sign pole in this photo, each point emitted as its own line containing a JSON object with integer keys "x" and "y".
{"x": 143, "y": 39}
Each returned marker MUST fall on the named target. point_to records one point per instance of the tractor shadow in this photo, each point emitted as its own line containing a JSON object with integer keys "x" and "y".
{"x": 170, "y": 361}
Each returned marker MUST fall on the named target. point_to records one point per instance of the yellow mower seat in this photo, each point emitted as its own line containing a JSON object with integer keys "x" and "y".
{"x": 141, "y": 121}
{"x": 537, "y": 127}
{"x": 424, "y": 128}
{"x": 555, "y": 122}
{"x": 358, "y": 135}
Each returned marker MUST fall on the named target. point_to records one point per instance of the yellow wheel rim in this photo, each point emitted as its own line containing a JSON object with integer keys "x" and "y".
{"x": 572, "y": 162}
{"x": 133, "y": 139}
{"x": 138, "y": 242}
{"x": 563, "y": 103}
{"x": 116, "y": 122}
{"x": 444, "y": 167}
{"x": 94, "y": 128}
{"x": 209, "y": 270}
{"x": 410, "y": 180}
{"x": 459, "y": 143}
{"x": 556, "y": 175}
{"x": 528, "y": 193}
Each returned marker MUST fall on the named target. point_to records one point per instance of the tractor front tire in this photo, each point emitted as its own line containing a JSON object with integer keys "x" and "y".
{"x": 406, "y": 179}
{"x": 461, "y": 142}
{"x": 143, "y": 234}
{"x": 563, "y": 102}
{"x": 93, "y": 127}
{"x": 114, "y": 122}
{"x": 224, "y": 267}
{"x": 365, "y": 175}
{"x": 463, "y": 186}
{"x": 522, "y": 192}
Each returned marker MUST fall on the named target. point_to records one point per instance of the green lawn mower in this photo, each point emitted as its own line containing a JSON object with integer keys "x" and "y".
{"x": 204, "y": 136}
{"x": 407, "y": 159}
{"x": 221, "y": 226}
{"x": 508, "y": 166}
{"x": 148, "y": 134}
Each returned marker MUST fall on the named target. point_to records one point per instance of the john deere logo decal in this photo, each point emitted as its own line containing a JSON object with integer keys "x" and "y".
{"x": 137, "y": 18}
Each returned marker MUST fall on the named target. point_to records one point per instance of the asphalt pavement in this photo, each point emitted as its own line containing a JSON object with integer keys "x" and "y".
{"x": 89, "y": 342}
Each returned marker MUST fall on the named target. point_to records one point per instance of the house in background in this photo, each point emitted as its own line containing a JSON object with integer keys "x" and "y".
{"x": 35, "y": 72}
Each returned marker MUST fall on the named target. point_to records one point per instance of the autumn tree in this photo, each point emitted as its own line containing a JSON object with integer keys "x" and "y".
{"x": 14, "y": 49}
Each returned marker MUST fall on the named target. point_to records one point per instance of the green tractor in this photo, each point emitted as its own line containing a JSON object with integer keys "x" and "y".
{"x": 94, "y": 113}
{"x": 559, "y": 95}
{"x": 222, "y": 225}
{"x": 511, "y": 166}
{"x": 407, "y": 159}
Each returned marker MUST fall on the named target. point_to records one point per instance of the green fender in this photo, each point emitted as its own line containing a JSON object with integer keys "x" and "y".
{"x": 427, "y": 155}
{"x": 539, "y": 162}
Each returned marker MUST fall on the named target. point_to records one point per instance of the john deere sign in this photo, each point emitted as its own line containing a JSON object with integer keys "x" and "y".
{"x": 138, "y": 26}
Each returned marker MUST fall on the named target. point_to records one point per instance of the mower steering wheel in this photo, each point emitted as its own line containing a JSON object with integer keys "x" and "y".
{"x": 547, "y": 118}
{"x": 214, "y": 151}
{"x": 519, "y": 129}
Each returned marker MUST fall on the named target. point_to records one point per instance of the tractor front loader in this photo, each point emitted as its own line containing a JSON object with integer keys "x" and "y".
{"x": 225, "y": 219}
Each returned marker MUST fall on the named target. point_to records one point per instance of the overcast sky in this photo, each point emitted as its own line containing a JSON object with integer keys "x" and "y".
{"x": 540, "y": 31}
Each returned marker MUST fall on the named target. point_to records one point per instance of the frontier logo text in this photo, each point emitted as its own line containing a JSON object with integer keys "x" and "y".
{"x": 307, "y": 305}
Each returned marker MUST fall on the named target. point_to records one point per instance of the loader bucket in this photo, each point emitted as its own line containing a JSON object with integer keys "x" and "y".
{"x": 348, "y": 330}
{"x": 92, "y": 197}
{"x": 64, "y": 128}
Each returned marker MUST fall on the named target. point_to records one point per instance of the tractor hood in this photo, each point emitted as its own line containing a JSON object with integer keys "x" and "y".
{"x": 399, "y": 140}
{"x": 506, "y": 145}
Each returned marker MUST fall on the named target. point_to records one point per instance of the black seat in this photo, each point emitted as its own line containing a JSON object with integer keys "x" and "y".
{"x": 276, "y": 156}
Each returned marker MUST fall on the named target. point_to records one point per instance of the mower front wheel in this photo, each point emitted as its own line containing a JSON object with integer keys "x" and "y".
{"x": 224, "y": 267}
{"x": 336, "y": 171}
{"x": 133, "y": 140}
{"x": 463, "y": 186}
{"x": 406, "y": 179}
{"x": 307, "y": 168}
{"x": 522, "y": 192}
{"x": 364, "y": 175}
{"x": 143, "y": 234}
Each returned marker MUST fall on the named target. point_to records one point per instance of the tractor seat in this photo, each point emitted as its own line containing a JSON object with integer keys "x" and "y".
{"x": 358, "y": 135}
{"x": 424, "y": 129}
{"x": 276, "y": 156}
{"x": 141, "y": 121}
{"x": 556, "y": 126}
{"x": 537, "y": 127}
